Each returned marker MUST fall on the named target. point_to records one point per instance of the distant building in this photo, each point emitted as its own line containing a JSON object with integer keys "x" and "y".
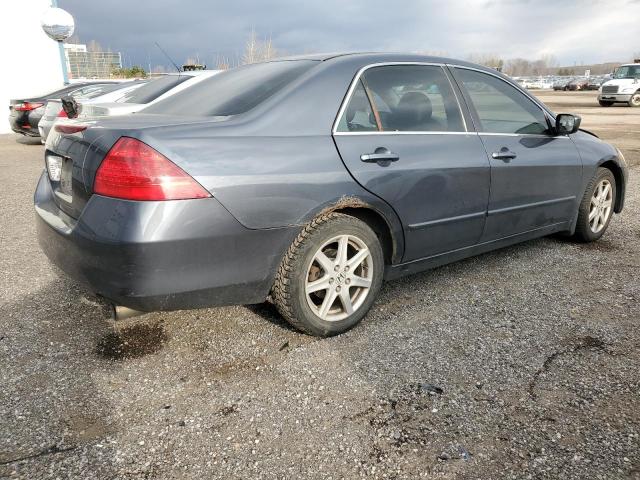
{"x": 82, "y": 63}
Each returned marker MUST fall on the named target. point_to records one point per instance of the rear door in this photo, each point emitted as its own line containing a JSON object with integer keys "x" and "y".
{"x": 535, "y": 175}
{"x": 402, "y": 135}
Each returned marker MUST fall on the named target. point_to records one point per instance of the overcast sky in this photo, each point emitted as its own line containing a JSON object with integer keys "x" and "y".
{"x": 582, "y": 31}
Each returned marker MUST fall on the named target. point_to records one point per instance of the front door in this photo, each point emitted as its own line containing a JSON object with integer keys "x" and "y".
{"x": 403, "y": 137}
{"x": 535, "y": 175}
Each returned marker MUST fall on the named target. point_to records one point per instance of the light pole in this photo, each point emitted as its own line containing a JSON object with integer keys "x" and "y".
{"x": 59, "y": 25}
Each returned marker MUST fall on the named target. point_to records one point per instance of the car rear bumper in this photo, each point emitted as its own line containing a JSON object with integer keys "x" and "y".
{"x": 614, "y": 97}
{"x": 160, "y": 255}
{"x": 21, "y": 123}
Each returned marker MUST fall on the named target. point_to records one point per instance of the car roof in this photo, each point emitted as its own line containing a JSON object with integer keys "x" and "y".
{"x": 382, "y": 57}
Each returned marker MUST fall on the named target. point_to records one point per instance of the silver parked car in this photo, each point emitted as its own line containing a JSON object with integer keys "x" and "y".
{"x": 53, "y": 109}
{"x": 154, "y": 91}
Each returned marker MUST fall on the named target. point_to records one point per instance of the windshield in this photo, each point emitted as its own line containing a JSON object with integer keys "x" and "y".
{"x": 153, "y": 89}
{"x": 629, "y": 71}
{"x": 233, "y": 92}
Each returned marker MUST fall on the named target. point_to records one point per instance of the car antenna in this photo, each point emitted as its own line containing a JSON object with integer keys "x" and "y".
{"x": 166, "y": 55}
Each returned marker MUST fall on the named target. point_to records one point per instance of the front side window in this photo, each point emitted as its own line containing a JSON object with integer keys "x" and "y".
{"x": 501, "y": 108}
{"x": 402, "y": 98}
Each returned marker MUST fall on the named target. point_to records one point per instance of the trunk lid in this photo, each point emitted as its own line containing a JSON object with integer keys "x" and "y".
{"x": 79, "y": 154}
{"x": 89, "y": 110}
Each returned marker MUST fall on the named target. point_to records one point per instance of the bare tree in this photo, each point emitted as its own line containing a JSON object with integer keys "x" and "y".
{"x": 223, "y": 63}
{"x": 268, "y": 51}
{"x": 487, "y": 59}
{"x": 256, "y": 50}
{"x": 251, "y": 49}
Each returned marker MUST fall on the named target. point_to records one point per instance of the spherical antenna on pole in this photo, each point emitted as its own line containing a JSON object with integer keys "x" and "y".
{"x": 59, "y": 25}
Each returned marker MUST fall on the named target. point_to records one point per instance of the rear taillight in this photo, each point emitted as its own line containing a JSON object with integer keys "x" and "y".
{"x": 69, "y": 129}
{"x": 132, "y": 170}
{"x": 62, "y": 114}
{"x": 27, "y": 106}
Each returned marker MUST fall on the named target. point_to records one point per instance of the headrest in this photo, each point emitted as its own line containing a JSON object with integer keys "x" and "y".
{"x": 414, "y": 108}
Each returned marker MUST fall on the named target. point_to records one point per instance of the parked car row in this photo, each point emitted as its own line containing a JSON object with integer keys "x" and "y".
{"x": 53, "y": 107}
{"x": 311, "y": 179}
{"x": 562, "y": 83}
{"x": 25, "y": 113}
{"x": 36, "y": 116}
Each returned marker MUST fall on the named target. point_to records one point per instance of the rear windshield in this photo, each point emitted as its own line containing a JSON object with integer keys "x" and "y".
{"x": 96, "y": 90}
{"x": 233, "y": 92}
{"x": 152, "y": 90}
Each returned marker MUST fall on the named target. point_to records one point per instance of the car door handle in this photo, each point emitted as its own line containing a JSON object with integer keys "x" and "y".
{"x": 504, "y": 154}
{"x": 381, "y": 155}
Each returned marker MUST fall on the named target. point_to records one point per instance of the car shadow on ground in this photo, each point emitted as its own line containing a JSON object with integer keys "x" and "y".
{"x": 24, "y": 140}
{"x": 268, "y": 312}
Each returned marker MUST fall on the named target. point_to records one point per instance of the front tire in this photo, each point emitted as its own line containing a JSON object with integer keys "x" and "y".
{"x": 604, "y": 103}
{"x": 330, "y": 276}
{"x": 596, "y": 208}
{"x": 634, "y": 101}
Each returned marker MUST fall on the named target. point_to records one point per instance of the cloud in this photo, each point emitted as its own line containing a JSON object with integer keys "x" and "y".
{"x": 572, "y": 31}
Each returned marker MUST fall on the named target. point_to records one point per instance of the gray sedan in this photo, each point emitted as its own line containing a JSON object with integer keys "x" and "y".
{"x": 309, "y": 180}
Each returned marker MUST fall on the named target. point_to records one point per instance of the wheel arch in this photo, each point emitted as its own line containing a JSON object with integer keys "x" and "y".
{"x": 380, "y": 218}
{"x": 618, "y": 174}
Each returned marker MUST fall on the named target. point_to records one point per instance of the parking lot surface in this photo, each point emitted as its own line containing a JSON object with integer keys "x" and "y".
{"x": 521, "y": 363}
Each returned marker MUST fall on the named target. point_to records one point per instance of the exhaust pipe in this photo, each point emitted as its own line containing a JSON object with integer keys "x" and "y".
{"x": 118, "y": 312}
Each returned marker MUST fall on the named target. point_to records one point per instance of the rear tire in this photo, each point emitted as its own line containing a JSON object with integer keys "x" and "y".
{"x": 634, "y": 101}
{"x": 596, "y": 208}
{"x": 330, "y": 276}
{"x": 604, "y": 103}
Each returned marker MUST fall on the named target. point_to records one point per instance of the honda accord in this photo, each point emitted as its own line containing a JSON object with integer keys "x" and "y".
{"x": 310, "y": 180}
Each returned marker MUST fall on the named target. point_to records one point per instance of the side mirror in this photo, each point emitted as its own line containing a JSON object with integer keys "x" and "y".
{"x": 567, "y": 123}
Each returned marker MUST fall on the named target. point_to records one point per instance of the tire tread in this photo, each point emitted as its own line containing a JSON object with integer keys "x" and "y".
{"x": 281, "y": 292}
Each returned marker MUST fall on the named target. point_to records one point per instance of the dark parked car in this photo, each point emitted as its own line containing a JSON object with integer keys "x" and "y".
{"x": 577, "y": 84}
{"x": 561, "y": 85}
{"x": 594, "y": 83}
{"x": 25, "y": 113}
{"x": 313, "y": 179}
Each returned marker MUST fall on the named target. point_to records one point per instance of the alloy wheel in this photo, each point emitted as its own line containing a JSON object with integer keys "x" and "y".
{"x": 601, "y": 206}
{"x": 339, "y": 277}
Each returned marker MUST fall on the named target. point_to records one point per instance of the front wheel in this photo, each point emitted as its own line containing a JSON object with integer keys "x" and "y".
{"x": 634, "y": 101}
{"x": 330, "y": 276}
{"x": 604, "y": 103}
{"x": 596, "y": 208}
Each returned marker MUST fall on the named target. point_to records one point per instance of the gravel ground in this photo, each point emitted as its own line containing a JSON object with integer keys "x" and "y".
{"x": 522, "y": 363}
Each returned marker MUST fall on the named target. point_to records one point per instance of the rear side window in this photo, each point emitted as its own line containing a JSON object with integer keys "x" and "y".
{"x": 152, "y": 90}
{"x": 233, "y": 92}
{"x": 404, "y": 98}
{"x": 358, "y": 117}
{"x": 502, "y": 108}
